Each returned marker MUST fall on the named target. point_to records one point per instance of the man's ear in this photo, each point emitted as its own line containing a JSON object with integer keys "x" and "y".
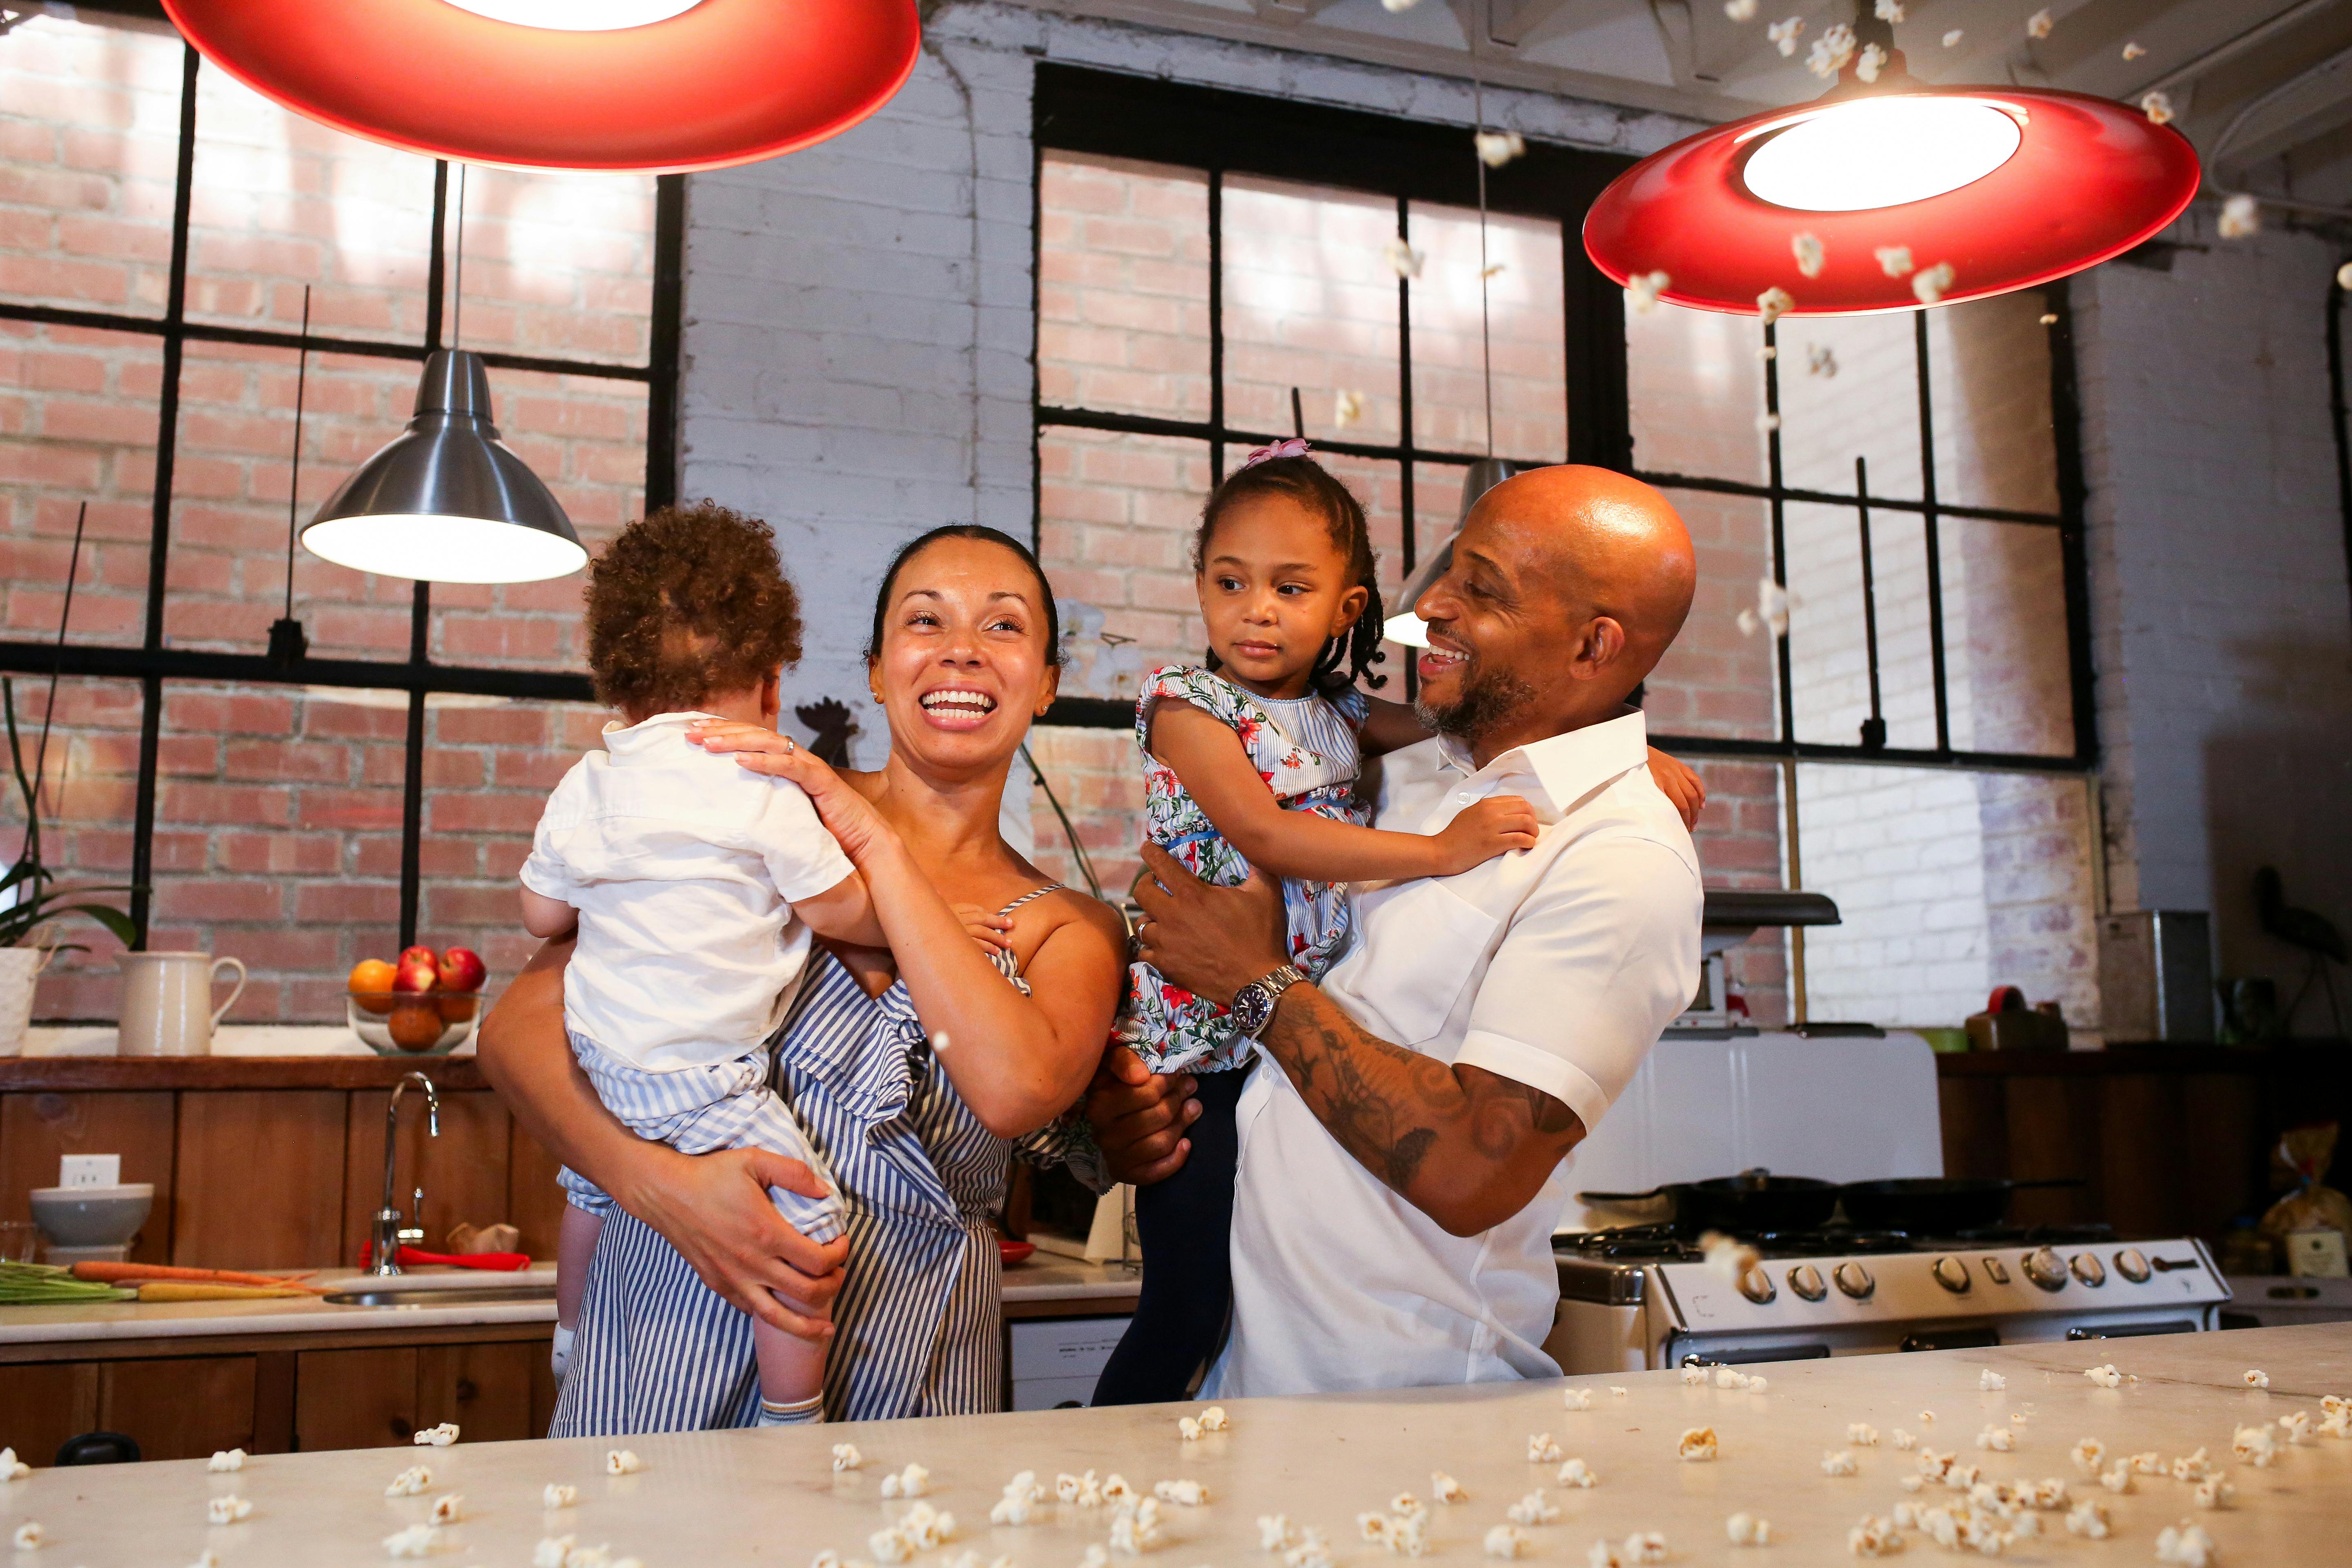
{"x": 1599, "y": 646}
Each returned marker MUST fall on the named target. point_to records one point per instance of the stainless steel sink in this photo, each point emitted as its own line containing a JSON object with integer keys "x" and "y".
{"x": 448, "y": 1296}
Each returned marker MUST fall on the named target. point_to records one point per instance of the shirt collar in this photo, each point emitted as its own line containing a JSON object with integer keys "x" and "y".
{"x": 627, "y": 739}
{"x": 1563, "y": 768}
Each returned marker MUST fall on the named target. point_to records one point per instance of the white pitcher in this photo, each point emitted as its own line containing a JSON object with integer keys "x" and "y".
{"x": 167, "y": 1002}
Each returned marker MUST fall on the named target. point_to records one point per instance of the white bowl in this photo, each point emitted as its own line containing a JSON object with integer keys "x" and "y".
{"x": 92, "y": 1216}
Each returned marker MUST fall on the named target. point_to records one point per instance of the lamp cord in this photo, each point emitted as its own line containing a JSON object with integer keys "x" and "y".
{"x": 294, "y": 484}
{"x": 1486, "y": 324}
{"x": 458, "y": 293}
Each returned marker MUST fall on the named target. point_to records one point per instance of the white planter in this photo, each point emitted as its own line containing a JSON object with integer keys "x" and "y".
{"x": 19, "y": 967}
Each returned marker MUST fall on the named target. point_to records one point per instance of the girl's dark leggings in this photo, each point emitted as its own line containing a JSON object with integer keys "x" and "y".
{"x": 1185, "y": 1224}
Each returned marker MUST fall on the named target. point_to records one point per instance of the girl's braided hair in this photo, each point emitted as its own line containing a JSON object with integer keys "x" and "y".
{"x": 1345, "y": 660}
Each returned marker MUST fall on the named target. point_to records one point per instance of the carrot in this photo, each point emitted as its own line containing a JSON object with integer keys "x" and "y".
{"x": 190, "y": 1290}
{"x": 133, "y": 1273}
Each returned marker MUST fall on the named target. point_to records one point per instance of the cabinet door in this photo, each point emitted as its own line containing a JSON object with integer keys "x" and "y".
{"x": 182, "y": 1408}
{"x": 44, "y": 1404}
{"x": 485, "y": 1388}
{"x": 36, "y": 1129}
{"x": 355, "y": 1399}
{"x": 260, "y": 1179}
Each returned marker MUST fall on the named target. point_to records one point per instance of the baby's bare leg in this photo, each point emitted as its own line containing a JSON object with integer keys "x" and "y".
{"x": 792, "y": 1372}
{"x": 575, "y": 1249}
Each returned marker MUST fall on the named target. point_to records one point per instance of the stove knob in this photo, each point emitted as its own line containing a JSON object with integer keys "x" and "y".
{"x": 1806, "y": 1281}
{"x": 1995, "y": 1269}
{"x": 2045, "y": 1268}
{"x": 1757, "y": 1286}
{"x": 2089, "y": 1269}
{"x": 2132, "y": 1265}
{"x": 1952, "y": 1275}
{"x": 1854, "y": 1280}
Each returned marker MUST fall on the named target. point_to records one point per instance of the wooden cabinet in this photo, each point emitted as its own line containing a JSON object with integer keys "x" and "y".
{"x": 181, "y": 1408}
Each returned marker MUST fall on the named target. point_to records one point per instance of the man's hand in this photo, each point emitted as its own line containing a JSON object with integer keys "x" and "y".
{"x": 1210, "y": 940}
{"x": 1139, "y": 1118}
{"x": 714, "y": 1209}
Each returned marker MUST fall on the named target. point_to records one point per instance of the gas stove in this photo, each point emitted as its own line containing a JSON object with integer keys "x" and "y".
{"x": 1642, "y": 1296}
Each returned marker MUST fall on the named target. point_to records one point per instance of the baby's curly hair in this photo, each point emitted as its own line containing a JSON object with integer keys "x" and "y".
{"x": 687, "y": 602}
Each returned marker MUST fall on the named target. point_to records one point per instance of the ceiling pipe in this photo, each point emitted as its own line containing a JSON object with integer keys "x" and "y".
{"x": 2221, "y": 53}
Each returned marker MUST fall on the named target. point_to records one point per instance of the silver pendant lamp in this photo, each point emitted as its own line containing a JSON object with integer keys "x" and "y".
{"x": 448, "y": 502}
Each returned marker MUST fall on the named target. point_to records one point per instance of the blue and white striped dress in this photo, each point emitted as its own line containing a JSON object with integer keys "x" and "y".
{"x": 917, "y": 1320}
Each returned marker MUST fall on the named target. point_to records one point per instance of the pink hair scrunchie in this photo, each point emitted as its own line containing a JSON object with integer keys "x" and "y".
{"x": 1294, "y": 447}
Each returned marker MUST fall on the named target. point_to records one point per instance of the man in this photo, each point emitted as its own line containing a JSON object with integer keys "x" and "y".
{"x": 1401, "y": 1158}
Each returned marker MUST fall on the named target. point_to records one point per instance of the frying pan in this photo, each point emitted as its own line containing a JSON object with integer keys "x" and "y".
{"x": 1935, "y": 1206}
{"x": 1752, "y": 1200}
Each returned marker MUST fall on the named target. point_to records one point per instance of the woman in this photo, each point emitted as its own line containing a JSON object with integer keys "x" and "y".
{"x": 963, "y": 657}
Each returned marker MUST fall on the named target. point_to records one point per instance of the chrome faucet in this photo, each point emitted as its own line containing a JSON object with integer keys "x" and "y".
{"x": 388, "y": 1235}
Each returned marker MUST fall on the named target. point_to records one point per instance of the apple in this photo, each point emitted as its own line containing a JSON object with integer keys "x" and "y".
{"x": 415, "y": 1026}
{"x": 416, "y": 974}
{"x": 461, "y": 969}
{"x": 419, "y": 954}
{"x": 371, "y": 985}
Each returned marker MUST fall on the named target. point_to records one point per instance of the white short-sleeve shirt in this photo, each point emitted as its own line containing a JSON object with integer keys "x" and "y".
{"x": 683, "y": 867}
{"x": 1557, "y": 966}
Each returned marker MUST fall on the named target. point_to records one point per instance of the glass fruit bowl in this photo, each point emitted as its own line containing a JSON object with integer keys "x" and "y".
{"x": 414, "y": 1023}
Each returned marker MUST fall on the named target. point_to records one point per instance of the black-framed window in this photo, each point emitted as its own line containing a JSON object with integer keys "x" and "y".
{"x": 165, "y": 223}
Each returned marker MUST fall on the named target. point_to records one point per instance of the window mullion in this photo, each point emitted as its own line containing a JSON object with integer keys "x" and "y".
{"x": 1929, "y": 535}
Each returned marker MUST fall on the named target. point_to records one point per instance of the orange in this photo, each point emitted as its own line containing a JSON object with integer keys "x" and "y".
{"x": 371, "y": 985}
{"x": 416, "y": 1027}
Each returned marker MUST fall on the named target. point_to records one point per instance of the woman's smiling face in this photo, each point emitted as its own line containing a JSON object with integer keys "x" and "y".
{"x": 963, "y": 667}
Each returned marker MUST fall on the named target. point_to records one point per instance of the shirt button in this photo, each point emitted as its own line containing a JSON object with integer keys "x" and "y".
{"x": 1464, "y": 798}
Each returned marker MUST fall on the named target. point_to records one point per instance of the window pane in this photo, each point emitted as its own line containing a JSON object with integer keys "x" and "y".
{"x": 1828, "y": 648}
{"x": 1527, "y": 311}
{"x": 281, "y": 201}
{"x": 2005, "y": 638}
{"x": 1116, "y": 519}
{"x": 1694, "y": 387}
{"x": 1988, "y": 365}
{"x": 559, "y": 266}
{"x": 1098, "y": 776}
{"x": 89, "y": 131}
{"x": 1378, "y": 485}
{"x": 1123, "y": 287}
{"x": 78, "y": 421}
{"x": 1720, "y": 679}
{"x": 1849, "y": 388}
{"x": 88, "y": 784}
{"x": 1310, "y": 302}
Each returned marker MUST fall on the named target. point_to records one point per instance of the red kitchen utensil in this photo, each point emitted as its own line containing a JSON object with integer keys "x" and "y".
{"x": 1013, "y": 1252}
{"x": 496, "y": 1262}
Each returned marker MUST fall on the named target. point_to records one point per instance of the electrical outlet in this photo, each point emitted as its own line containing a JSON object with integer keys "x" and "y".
{"x": 89, "y": 1171}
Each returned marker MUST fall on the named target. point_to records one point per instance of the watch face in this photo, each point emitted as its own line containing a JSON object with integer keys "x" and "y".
{"x": 1250, "y": 1008}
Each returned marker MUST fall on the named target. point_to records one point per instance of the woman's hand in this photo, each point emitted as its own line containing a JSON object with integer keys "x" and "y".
{"x": 714, "y": 1209}
{"x": 848, "y": 816}
{"x": 1683, "y": 787}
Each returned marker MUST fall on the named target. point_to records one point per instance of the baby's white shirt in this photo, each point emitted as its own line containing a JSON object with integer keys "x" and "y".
{"x": 683, "y": 867}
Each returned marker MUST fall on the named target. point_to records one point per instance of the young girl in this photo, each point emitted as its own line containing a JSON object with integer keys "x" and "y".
{"x": 1254, "y": 761}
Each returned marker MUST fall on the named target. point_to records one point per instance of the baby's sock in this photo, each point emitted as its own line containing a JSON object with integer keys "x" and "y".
{"x": 802, "y": 1413}
{"x": 560, "y": 1354}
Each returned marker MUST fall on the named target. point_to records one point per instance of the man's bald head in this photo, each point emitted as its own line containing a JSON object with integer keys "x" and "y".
{"x": 1568, "y": 586}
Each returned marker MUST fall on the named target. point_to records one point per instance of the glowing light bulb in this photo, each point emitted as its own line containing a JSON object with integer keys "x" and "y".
{"x": 1880, "y": 152}
{"x": 444, "y": 549}
{"x": 578, "y": 16}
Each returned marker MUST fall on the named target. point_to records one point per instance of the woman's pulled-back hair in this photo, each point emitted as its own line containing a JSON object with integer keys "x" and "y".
{"x": 1346, "y": 660}
{"x": 687, "y": 602}
{"x": 915, "y": 547}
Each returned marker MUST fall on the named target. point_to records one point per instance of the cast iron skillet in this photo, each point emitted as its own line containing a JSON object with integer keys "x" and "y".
{"x": 1935, "y": 1206}
{"x": 1750, "y": 1202}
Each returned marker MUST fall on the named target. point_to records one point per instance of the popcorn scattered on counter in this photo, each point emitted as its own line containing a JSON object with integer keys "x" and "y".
{"x": 1929, "y": 284}
{"x": 552, "y": 1550}
{"x": 2089, "y": 1518}
{"x": 439, "y": 1436}
{"x": 447, "y": 1509}
{"x": 29, "y": 1537}
{"x": 1577, "y": 1398}
{"x": 228, "y": 1509}
{"x": 1135, "y": 1531}
{"x": 1214, "y": 1419}
{"x": 556, "y": 1495}
{"x": 1542, "y": 1450}
{"x": 2258, "y": 1379}
{"x": 2038, "y": 24}
{"x": 1903, "y": 1441}
{"x": 845, "y": 1457}
{"x": 1273, "y": 1531}
{"x": 1862, "y": 1433}
{"x": 2297, "y": 1424}
{"x": 409, "y": 1482}
{"x": 1575, "y": 1473}
{"x": 1617, "y": 1392}
{"x": 1731, "y": 1378}
{"x": 1405, "y": 1504}
{"x": 1999, "y": 1439}
{"x": 889, "y": 1544}
{"x": 1927, "y": 1417}
{"x": 2118, "y": 1479}
{"x": 1604, "y": 1554}
{"x": 927, "y": 1527}
{"x": 1873, "y": 1537}
{"x": 1505, "y": 1542}
{"x": 1755, "y": 1385}
{"x": 1774, "y": 303}
{"x": 1115, "y": 1489}
{"x": 1696, "y": 1444}
{"x": 625, "y": 1462}
{"x": 1532, "y": 1509}
{"x": 913, "y": 1481}
{"x": 2185, "y": 1545}
{"x": 1784, "y": 35}
{"x": 1811, "y": 258}
{"x": 1740, "y": 10}
{"x": 416, "y": 1540}
{"x": 2086, "y": 1454}
{"x": 1187, "y": 1493}
{"x": 1643, "y": 288}
{"x": 2105, "y": 1376}
{"x": 2148, "y": 1463}
{"x": 221, "y": 1461}
{"x": 1496, "y": 148}
{"x": 1021, "y": 1496}
{"x": 2250, "y": 1446}
{"x": 1911, "y": 1483}
{"x": 13, "y": 1469}
{"x": 207, "y": 1558}
{"x": 1696, "y": 1376}
{"x": 2213, "y": 1492}
{"x": 2158, "y": 106}
{"x": 2020, "y": 1420}
{"x": 1445, "y": 1488}
{"x": 1083, "y": 1490}
{"x": 1095, "y": 1557}
{"x": 1747, "y": 1529}
{"x": 2196, "y": 1467}
{"x": 1645, "y": 1546}
{"x": 1312, "y": 1551}
{"x": 1839, "y": 1462}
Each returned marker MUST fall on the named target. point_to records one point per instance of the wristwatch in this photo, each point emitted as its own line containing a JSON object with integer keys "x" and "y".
{"x": 1252, "y": 1006}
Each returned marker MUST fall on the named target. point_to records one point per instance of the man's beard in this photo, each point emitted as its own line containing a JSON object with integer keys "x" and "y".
{"x": 1488, "y": 702}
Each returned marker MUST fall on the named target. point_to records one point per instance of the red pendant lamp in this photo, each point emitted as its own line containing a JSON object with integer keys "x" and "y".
{"x": 645, "y": 85}
{"x": 2006, "y": 187}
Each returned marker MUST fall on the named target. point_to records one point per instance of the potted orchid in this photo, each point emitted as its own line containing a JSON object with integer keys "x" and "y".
{"x": 31, "y": 902}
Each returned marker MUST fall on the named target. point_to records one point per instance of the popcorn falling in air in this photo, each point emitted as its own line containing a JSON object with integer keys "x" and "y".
{"x": 1577, "y": 1398}
{"x": 1767, "y": 423}
{"x": 1888, "y": 10}
{"x": 1830, "y": 51}
{"x": 1862, "y": 1434}
{"x": 1774, "y": 303}
{"x": 1643, "y": 288}
{"x": 1839, "y": 1462}
{"x": 1747, "y": 1529}
{"x": 1999, "y": 1439}
{"x": 29, "y": 1537}
{"x": 1928, "y": 284}
{"x": 558, "y": 1496}
{"x": 1347, "y": 408}
{"x": 1532, "y": 1509}
{"x": 2157, "y": 105}
{"x": 1872, "y": 61}
{"x": 2241, "y": 219}
{"x": 2049, "y": 318}
{"x": 1809, "y": 253}
{"x": 1772, "y": 605}
{"x": 409, "y": 1482}
{"x": 625, "y": 1462}
{"x": 439, "y": 1436}
{"x": 416, "y": 1540}
{"x": 447, "y": 1509}
{"x": 1402, "y": 258}
{"x": 1575, "y": 1473}
{"x": 1740, "y": 10}
{"x": 2213, "y": 1492}
{"x": 1496, "y": 148}
{"x": 1822, "y": 361}
{"x": 1445, "y": 1488}
{"x": 2038, "y": 24}
{"x": 1397, "y": 7}
{"x": 1784, "y": 35}
{"x": 1767, "y": 353}
{"x": 1727, "y": 1259}
{"x": 226, "y": 1459}
{"x": 1894, "y": 260}
{"x": 1542, "y": 1450}
{"x": 2343, "y": 277}
{"x": 228, "y": 1509}
{"x": 845, "y": 1457}
{"x": 2132, "y": 51}
{"x": 913, "y": 1481}
{"x": 1696, "y": 1444}
{"x": 2184, "y": 1545}
{"x": 1503, "y": 1541}
{"x": 1952, "y": 40}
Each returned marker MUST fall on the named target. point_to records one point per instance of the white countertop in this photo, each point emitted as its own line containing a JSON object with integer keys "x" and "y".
{"x": 771, "y": 1497}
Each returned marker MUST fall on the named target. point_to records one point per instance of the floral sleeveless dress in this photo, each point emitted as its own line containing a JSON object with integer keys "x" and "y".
{"x": 1307, "y": 750}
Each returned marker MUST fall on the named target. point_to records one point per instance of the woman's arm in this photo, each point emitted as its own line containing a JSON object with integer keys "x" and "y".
{"x": 714, "y": 1208}
{"x": 1208, "y": 758}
